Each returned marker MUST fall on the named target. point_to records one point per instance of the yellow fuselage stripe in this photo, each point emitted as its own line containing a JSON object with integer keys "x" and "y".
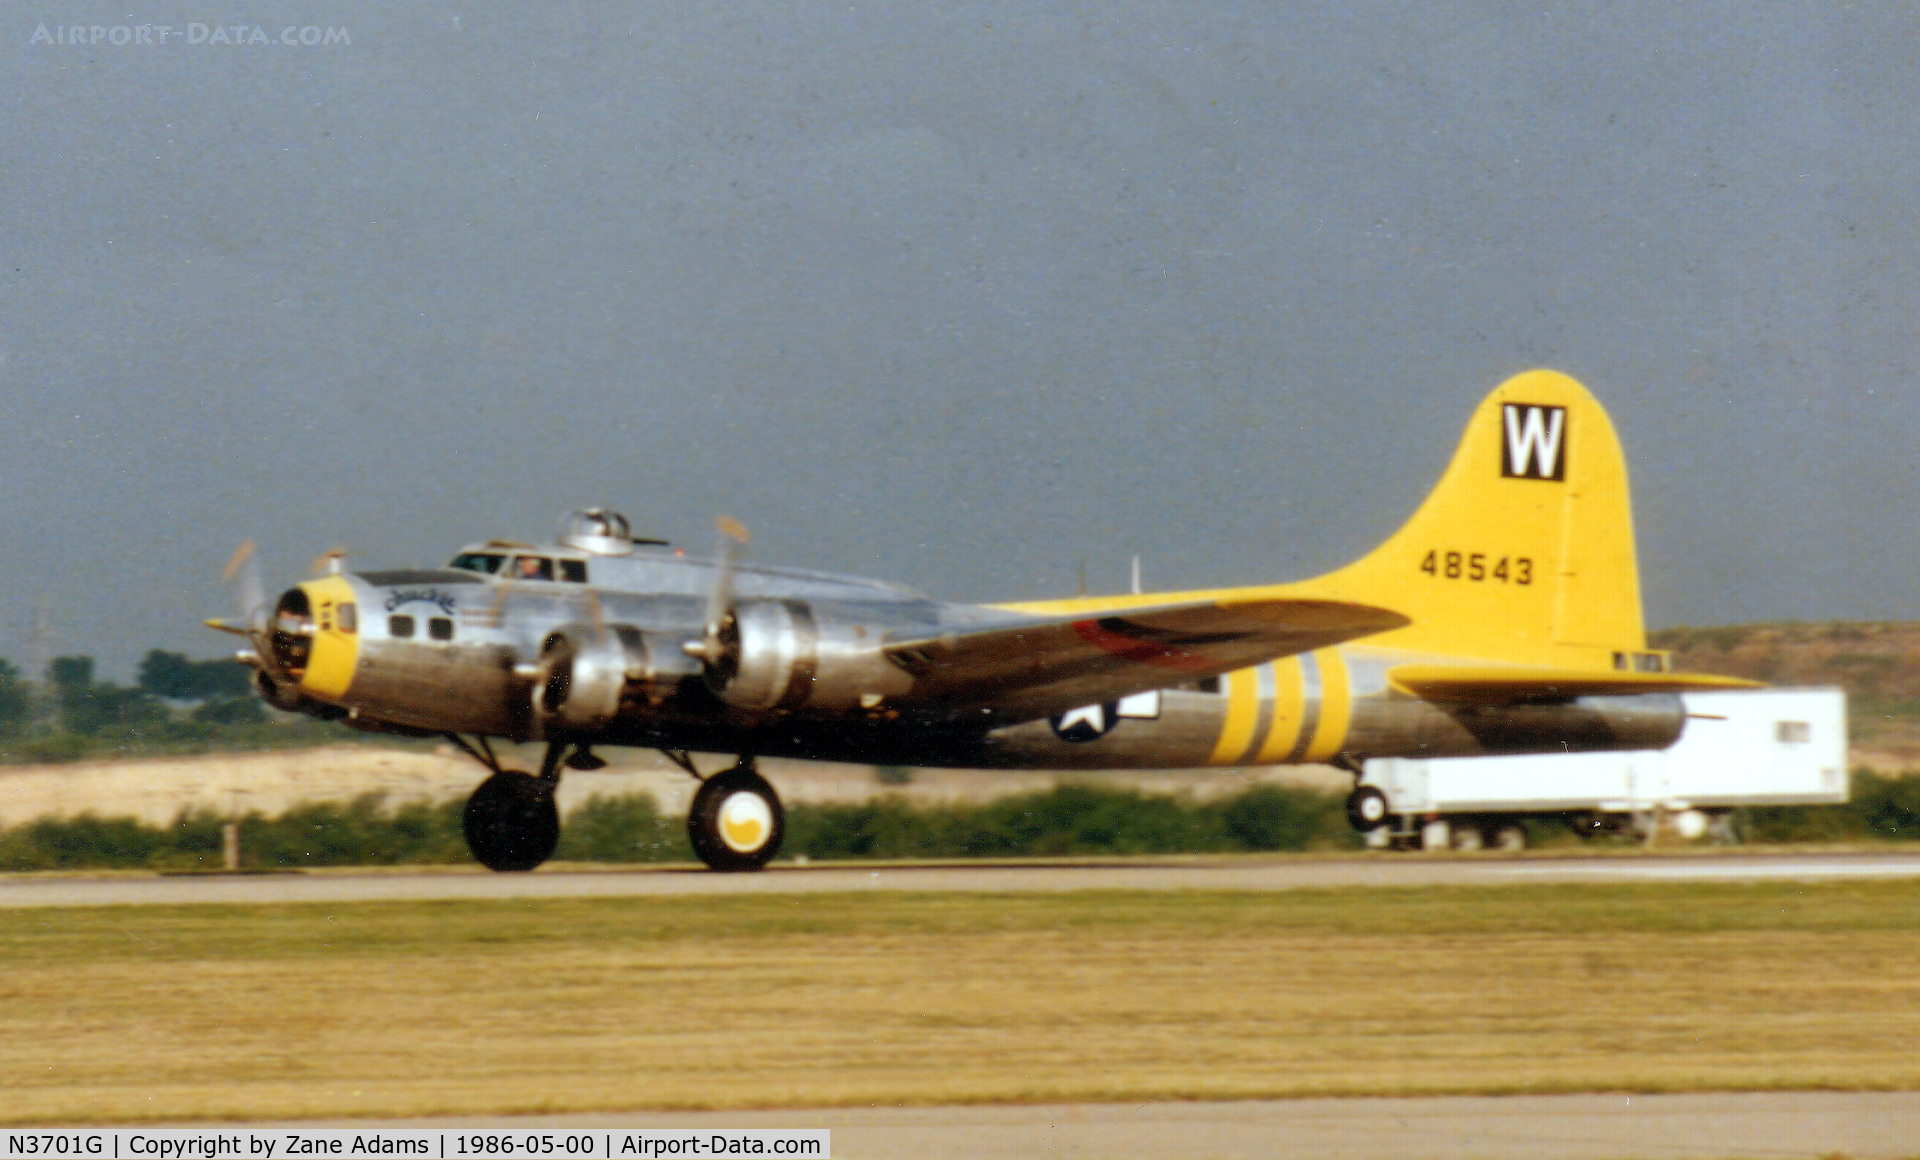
{"x": 1243, "y": 714}
{"x": 1336, "y": 707}
{"x": 1289, "y": 704}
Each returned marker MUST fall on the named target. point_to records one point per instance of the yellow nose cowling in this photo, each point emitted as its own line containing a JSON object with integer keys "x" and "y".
{"x": 336, "y": 638}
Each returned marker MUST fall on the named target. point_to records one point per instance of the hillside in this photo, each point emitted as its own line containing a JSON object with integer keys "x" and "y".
{"x": 1877, "y": 663}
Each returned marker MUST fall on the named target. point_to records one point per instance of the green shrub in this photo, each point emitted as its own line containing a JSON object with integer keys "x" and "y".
{"x": 622, "y": 829}
{"x": 87, "y": 840}
{"x": 1885, "y": 808}
{"x": 1270, "y": 817}
{"x": 1070, "y": 820}
{"x": 242, "y": 710}
{"x": 1075, "y": 819}
{"x": 55, "y": 749}
{"x": 360, "y": 833}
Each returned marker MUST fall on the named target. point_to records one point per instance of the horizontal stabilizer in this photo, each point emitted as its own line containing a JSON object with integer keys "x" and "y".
{"x": 1031, "y": 667}
{"x": 1499, "y": 686}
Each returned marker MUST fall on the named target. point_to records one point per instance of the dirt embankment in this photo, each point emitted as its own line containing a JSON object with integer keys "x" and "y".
{"x": 1876, "y": 662}
{"x": 157, "y": 790}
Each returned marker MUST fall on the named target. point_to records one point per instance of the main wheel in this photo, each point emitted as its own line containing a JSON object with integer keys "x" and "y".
{"x": 511, "y": 822}
{"x": 1367, "y": 809}
{"x": 736, "y": 822}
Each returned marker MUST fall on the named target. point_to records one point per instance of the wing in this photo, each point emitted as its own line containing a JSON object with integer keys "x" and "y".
{"x": 1037, "y": 665}
{"x": 1501, "y": 686}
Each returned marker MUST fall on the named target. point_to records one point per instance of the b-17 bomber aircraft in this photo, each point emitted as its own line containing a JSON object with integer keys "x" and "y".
{"x": 1503, "y": 617}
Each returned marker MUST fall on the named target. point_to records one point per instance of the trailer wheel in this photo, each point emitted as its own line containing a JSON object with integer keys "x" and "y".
{"x": 1720, "y": 828}
{"x": 1466, "y": 835}
{"x": 1367, "y": 809}
{"x": 1507, "y": 836}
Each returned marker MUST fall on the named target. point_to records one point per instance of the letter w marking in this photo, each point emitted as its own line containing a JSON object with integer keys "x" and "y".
{"x": 1535, "y": 446}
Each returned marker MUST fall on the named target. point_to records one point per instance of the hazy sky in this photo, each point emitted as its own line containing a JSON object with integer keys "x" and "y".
{"x": 954, "y": 294}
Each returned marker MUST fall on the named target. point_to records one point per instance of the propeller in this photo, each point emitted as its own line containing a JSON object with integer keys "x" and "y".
{"x": 242, "y": 577}
{"x": 719, "y": 635}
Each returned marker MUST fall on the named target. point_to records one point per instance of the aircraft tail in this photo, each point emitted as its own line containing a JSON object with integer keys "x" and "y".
{"x": 1523, "y": 553}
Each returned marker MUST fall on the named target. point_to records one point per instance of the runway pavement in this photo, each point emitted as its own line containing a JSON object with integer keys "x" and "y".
{"x": 1705, "y": 1126}
{"x": 1290, "y": 873}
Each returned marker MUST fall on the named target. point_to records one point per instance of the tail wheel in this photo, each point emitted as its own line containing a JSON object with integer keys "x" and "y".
{"x": 1367, "y": 809}
{"x": 511, "y": 821}
{"x": 736, "y": 822}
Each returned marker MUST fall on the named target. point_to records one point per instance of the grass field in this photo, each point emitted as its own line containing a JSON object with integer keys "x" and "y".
{"x": 120, "y": 1014}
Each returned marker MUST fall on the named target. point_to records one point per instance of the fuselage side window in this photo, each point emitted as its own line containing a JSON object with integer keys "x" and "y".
{"x": 532, "y": 568}
{"x": 400, "y": 627}
{"x": 440, "y": 628}
{"x": 486, "y": 562}
{"x": 573, "y": 571}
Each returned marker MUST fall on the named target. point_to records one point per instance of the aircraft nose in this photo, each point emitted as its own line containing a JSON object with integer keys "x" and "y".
{"x": 290, "y": 633}
{"x": 319, "y": 622}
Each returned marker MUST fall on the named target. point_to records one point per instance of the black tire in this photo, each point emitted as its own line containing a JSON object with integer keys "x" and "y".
{"x": 1509, "y": 836}
{"x": 511, "y": 822}
{"x": 737, "y": 822}
{"x": 1367, "y": 809}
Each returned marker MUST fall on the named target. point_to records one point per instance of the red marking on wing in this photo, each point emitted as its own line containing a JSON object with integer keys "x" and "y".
{"x": 1146, "y": 652}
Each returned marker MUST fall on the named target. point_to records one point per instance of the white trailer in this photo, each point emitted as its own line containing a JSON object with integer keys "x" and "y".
{"x": 1751, "y": 748}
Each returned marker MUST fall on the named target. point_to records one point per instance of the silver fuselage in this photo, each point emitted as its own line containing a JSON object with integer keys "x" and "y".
{"x": 457, "y": 651}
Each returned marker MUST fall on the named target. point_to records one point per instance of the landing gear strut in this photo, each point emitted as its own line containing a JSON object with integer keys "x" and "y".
{"x": 511, "y": 822}
{"x": 736, "y": 822}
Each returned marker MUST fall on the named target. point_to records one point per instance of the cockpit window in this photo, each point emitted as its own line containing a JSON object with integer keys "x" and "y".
{"x": 573, "y": 571}
{"x": 532, "y": 568}
{"x": 487, "y": 562}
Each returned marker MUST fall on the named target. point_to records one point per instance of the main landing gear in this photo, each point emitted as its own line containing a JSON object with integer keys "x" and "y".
{"x": 511, "y": 821}
{"x": 512, "y": 824}
{"x": 736, "y": 822}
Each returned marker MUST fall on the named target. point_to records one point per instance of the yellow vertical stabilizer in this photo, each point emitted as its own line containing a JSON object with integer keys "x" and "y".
{"x": 1523, "y": 553}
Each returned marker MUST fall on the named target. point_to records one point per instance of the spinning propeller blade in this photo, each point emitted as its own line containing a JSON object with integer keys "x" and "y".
{"x": 242, "y": 576}
{"x": 731, "y": 535}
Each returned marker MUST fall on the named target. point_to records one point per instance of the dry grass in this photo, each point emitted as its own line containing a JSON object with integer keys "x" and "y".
{"x": 421, "y": 1009}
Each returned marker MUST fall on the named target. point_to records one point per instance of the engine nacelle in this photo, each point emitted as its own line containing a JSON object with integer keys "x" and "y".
{"x": 786, "y": 655}
{"x": 1583, "y": 725}
{"x": 586, "y": 671}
